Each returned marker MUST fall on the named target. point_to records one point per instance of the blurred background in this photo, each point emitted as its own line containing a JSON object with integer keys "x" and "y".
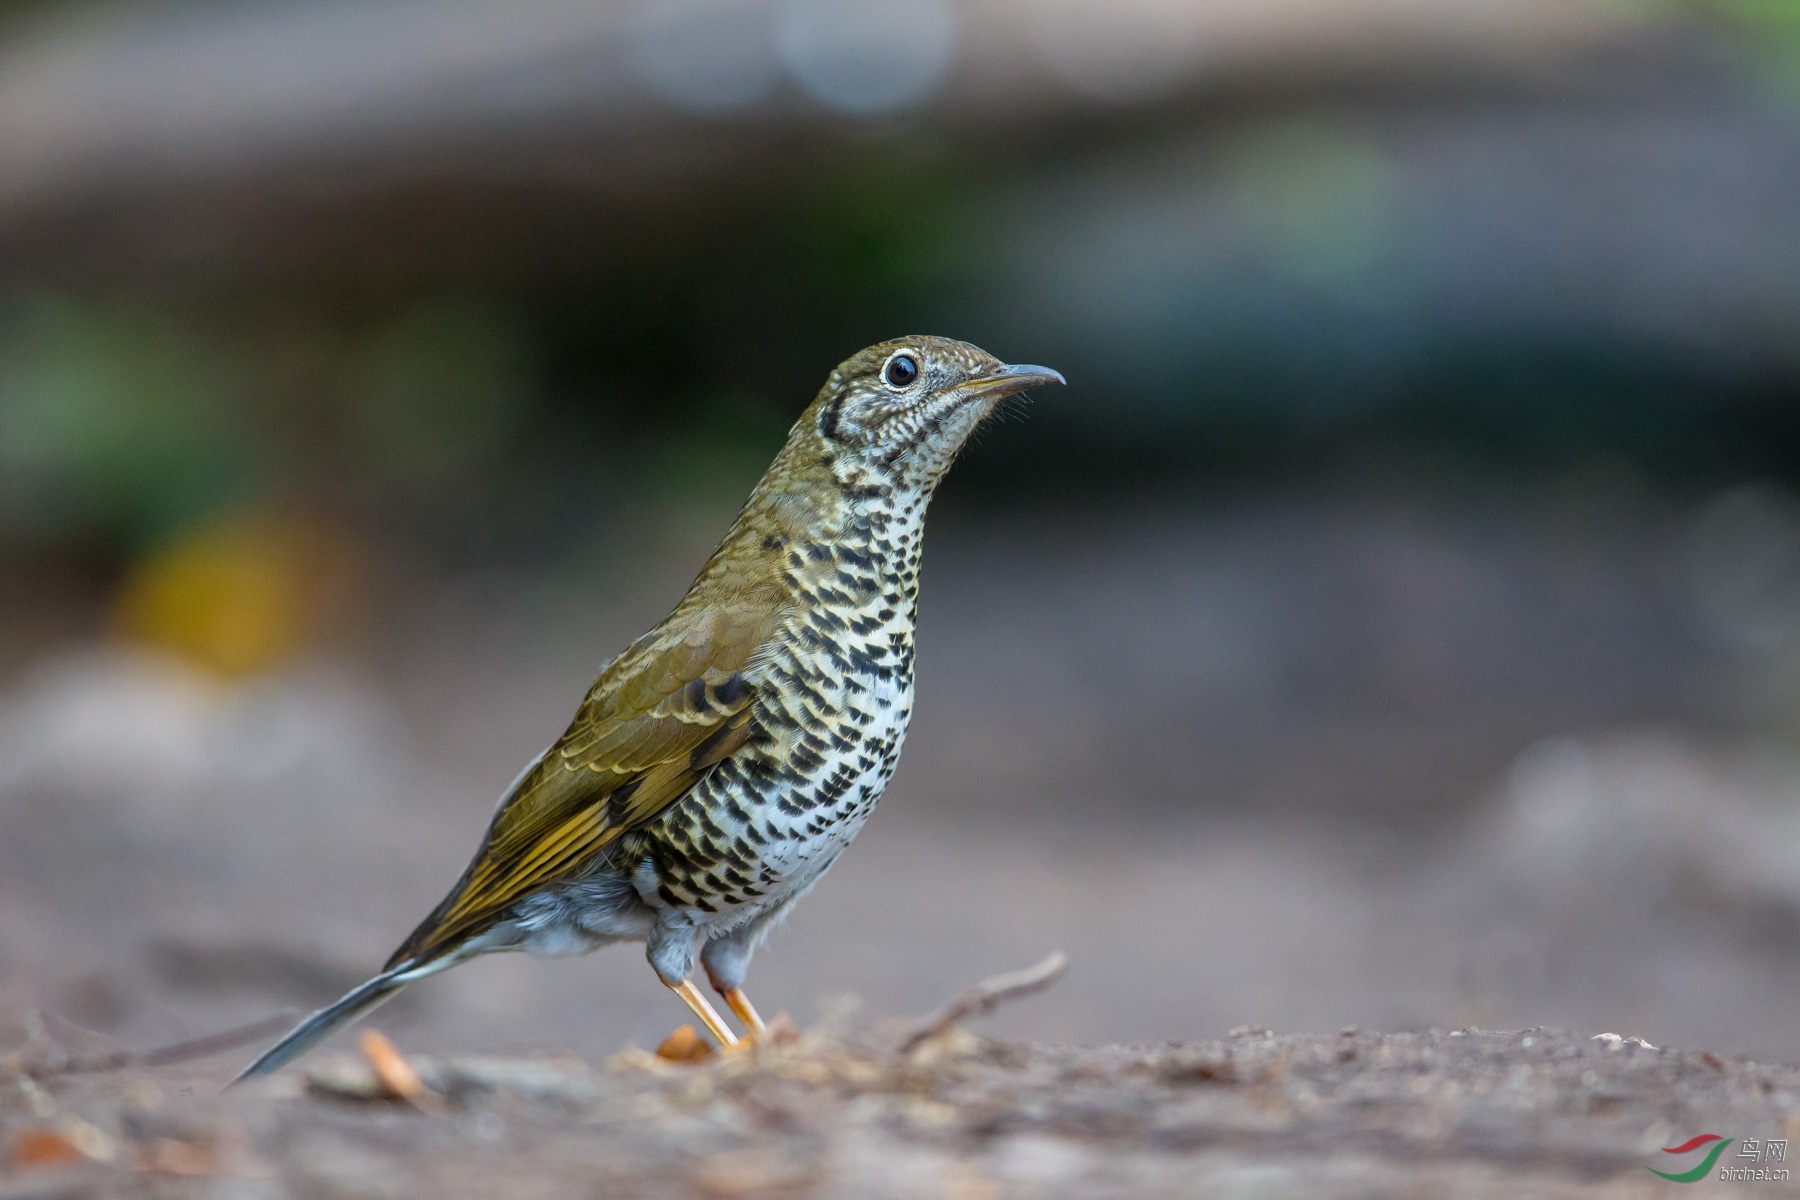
{"x": 1395, "y": 623}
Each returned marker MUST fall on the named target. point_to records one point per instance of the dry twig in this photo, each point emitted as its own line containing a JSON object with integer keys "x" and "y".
{"x": 986, "y": 996}
{"x": 397, "y": 1075}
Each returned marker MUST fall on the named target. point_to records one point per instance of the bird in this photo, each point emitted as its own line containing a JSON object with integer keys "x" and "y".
{"x": 723, "y": 761}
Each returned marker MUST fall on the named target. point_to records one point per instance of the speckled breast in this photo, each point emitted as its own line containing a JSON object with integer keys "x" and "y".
{"x": 831, "y": 716}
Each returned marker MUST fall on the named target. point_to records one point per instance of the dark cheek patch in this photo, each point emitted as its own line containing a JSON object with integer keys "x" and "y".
{"x": 828, "y": 419}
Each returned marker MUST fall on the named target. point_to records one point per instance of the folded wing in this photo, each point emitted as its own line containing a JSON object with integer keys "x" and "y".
{"x": 659, "y": 718}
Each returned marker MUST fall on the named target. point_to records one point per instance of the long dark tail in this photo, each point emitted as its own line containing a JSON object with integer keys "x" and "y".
{"x": 321, "y": 1024}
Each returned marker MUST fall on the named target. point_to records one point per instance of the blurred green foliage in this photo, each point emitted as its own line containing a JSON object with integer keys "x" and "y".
{"x": 112, "y": 422}
{"x": 438, "y": 395}
{"x": 885, "y": 222}
{"x": 1317, "y": 200}
{"x": 120, "y": 426}
{"x": 719, "y": 452}
{"x": 1768, "y": 31}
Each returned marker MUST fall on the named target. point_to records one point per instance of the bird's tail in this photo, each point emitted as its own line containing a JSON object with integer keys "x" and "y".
{"x": 320, "y": 1025}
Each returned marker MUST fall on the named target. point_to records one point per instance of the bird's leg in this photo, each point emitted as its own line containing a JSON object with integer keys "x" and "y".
{"x": 746, "y": 1011}
{"x": 727, "y": 961}
{"x": 709, "y": 1017}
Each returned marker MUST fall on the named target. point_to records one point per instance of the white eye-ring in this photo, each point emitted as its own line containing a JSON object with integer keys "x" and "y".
{"x": 901, "y": 371}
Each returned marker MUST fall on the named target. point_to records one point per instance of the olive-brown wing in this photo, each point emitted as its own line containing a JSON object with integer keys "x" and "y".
{"x": 659, "y": 717}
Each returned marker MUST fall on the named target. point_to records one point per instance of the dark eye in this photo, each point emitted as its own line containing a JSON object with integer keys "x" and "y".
{"x": 901, "y": 370}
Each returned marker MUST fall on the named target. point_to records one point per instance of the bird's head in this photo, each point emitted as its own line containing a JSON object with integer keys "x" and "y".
{"x": 899, "y": 411}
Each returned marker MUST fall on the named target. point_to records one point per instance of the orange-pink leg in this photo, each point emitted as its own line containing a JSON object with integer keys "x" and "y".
{"x": 709, "y": 1017}
{"x": 746, "y": 1011}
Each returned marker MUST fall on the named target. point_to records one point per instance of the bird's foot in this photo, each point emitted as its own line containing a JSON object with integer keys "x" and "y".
{"x": 746, "y": 1012}
{"x": 709, "y": 1017}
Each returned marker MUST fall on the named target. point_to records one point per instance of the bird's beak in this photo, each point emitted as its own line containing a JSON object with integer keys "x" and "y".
{"x": 1008, "y": 380}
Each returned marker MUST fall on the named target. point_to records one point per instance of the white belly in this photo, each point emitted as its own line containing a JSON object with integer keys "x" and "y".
{"x": 816, "y": 838}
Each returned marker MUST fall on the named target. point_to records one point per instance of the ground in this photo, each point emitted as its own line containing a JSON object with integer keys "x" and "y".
{"x": 1463, "y": 1113}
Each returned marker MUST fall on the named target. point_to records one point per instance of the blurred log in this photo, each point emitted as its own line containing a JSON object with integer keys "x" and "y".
{"x": 175, "y": 129}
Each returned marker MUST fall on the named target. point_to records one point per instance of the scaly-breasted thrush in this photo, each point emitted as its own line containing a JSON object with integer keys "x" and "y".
{"x": 719, "y": 766}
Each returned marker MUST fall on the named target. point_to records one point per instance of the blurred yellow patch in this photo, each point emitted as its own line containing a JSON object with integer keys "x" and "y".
{"x": 241, "y": 595}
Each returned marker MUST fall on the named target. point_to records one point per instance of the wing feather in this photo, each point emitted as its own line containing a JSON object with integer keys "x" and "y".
{"x": 662, "y": 715}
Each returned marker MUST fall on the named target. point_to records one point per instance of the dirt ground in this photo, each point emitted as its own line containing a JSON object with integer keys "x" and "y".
{"x": 1468, "y": 1113}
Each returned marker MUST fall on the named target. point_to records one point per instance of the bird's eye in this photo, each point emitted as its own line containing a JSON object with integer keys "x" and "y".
{"x": 901, "y": 370}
